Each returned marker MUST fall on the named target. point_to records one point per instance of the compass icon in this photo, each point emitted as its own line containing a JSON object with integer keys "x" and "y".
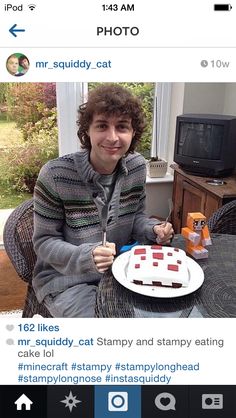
{"x": 71, "y": 401}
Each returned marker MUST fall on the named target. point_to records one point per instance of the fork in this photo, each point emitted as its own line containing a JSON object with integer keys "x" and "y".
{"x": 104, "y": 237}
{"x": 163, "y": 224}
{"x": 170, "y": 206}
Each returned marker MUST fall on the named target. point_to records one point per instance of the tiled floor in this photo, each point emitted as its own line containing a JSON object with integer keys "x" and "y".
{"x": 12, "y": 288}
{"x": 11, "y": 314}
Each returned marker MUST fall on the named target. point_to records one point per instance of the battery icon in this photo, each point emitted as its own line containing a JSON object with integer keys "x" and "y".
{"x": 222, "y": 7}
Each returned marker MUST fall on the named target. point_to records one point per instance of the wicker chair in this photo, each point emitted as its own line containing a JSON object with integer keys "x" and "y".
{"x": 223, "y": 221}
{"x": 17, "y": 238}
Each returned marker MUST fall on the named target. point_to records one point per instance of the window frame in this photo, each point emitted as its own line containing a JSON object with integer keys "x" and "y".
{"x": 69, "y": 97}
{"x": 161, "y": 120}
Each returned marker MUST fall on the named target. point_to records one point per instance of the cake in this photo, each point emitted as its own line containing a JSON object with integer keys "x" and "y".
{"x": 157, "y": 265}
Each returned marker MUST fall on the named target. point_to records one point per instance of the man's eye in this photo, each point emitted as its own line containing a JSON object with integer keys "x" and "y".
{"x": 123, "y": 127}
{"x": 101, "y": 126}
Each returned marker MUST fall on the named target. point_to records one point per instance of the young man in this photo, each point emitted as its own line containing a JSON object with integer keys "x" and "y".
{"x": 13, "y": 65}
{"x": 24, "y": 63}
{"x": 81, "y": 195}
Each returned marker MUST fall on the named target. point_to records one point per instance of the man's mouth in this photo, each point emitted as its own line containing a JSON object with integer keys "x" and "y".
{"x": 110, "y": 148}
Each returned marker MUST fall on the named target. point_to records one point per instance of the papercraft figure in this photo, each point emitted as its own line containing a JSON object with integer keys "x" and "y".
{"x": 197, "y": 235}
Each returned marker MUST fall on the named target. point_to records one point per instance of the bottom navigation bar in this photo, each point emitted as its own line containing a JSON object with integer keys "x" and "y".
{"x": 129, "y": 401}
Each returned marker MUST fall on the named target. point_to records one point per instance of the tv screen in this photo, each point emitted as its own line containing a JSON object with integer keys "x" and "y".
{"x": 199, "y": 140}
{"x": 206, "y": 144}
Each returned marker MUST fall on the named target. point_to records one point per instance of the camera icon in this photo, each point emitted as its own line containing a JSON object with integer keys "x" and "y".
{"x": 117, "y": 401}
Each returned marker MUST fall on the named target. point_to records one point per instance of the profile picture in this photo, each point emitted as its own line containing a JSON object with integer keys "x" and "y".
{"x": 17, "y": 64}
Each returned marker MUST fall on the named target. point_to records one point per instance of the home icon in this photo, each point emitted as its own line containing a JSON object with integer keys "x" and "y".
{"x": 23, "y": 400}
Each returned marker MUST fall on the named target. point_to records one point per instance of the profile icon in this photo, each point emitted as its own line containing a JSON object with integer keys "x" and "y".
{"x": 17, "y": 64}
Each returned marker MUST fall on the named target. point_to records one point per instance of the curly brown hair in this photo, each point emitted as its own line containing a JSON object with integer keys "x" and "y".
{"x": 110, "y": 100}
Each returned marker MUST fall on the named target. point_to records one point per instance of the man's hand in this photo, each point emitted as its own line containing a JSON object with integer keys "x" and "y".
{"x": 104, "y": 256}
{"x": 164, "y": 233}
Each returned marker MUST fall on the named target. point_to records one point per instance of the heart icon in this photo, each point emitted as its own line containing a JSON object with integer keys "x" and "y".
{"x": 10, "y": 341}
{"x": 9, "y": 327}
{"x": 165, "y": 401}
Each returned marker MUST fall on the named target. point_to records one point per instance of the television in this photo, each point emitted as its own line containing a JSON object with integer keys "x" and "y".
{"x": 205, "y": 145}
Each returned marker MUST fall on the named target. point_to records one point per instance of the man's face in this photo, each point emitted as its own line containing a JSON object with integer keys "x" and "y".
{"x": 12, "y": 65}
{"x": 110, "y": 139}
{"x": 25, "y": 63}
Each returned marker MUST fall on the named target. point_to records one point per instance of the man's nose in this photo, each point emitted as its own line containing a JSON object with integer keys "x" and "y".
{"x": 112, "y": 134}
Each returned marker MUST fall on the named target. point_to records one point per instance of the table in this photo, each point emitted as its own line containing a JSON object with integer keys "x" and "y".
{"x": 216, "y": 297}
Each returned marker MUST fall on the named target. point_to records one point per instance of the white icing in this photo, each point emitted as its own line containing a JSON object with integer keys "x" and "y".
{"x": 141, "y": 268}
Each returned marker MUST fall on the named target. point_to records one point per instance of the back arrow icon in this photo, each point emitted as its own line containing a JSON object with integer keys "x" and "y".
{"x": 13, "y": 30}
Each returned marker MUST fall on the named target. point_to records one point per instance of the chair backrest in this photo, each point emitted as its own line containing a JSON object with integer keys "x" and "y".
{"x": 223, "y": 221}
{"x": 17, "y": 238}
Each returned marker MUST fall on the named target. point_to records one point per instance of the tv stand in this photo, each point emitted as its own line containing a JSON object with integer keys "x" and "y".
{"x": 193, "y": 194}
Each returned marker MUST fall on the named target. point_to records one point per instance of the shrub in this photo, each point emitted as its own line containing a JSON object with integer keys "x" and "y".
{"x": 21, "y": 165}
{"x": 48, "y": 122}
{"x": 26, "y": 101}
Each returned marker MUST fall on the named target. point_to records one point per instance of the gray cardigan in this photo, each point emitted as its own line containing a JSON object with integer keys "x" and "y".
{"x": 69, "y": 210}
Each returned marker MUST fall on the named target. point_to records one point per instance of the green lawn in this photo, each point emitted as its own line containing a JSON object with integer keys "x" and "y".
{"x": 10, "y": 198}
{"x": 9, "y": 134}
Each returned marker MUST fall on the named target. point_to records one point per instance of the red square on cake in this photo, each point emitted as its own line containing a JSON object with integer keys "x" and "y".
{"x": 173, "y": 267}
{"x": 158, "y": 256}
{"x": 139, "y": 251}
{"x": 156, "y": 247}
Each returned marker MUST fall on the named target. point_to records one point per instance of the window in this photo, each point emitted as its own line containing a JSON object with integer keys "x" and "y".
{"x": 28, "y": 137}
{"x": 155, "y": 97}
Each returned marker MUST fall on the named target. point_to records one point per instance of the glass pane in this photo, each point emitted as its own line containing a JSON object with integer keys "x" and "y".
{"x": 200, "y": 140}
{"x": 28, "y": 137}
